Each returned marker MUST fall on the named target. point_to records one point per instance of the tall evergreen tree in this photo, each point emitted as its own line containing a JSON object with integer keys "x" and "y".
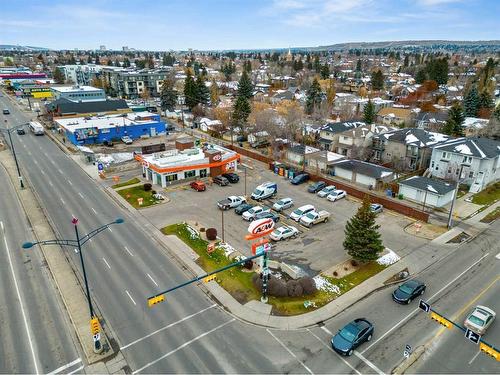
{"x": 471, "y": 102}
{"x": 377, "y": 80}
{"x": 420, "y": 76}
{"x": 241, "y": 111}
{"x": 362, "y": 238}
{"x": 168, "y": 95}
{"x": 58, "y": 76}
{"x": 325, "y": 71}
{"x": 369, "y": 113}
{"x": 314, "y": 97}
{"x": 245, "y": 86}
{"x": 202, "y": 91}
{"x": 190, "y": 91}
{"x": 485, "y": 100}
{"x": 456, "y": 118}
{"x": 358, "y": 65}
{"x": 316, "y": 64}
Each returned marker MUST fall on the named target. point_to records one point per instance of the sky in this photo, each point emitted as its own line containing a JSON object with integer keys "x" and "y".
{"x": 237, "y": 24}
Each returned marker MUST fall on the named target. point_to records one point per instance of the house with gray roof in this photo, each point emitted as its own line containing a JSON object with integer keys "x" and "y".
{"x": 406, "y": 149}
{"x": 329, "y": 133}
{"x": 473, "y": 161}
{"x": 427, "y": 191}
{"x": 363, "y": 173}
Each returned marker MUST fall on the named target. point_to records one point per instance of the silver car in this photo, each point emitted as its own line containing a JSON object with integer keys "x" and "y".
{"x": 480, "y": 319}
{"x": 326, "y": 191}
{"x": 283, "y": 204}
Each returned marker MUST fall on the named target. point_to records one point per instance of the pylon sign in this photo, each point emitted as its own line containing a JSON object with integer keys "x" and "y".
{"x": 209, "y": 278}
{"x": 259, "y": 228}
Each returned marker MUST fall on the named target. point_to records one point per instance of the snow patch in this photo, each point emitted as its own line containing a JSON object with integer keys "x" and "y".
{"x": 390, "y": 258}
{"x": 463, "y": 149}
{"x": 385, "y": 174}
{"x": 431, "y": 188}
{"x": 410, "y": 138}
{"x": 324, "y": 285}
{"x": 193, "y": 233}
{"x": 228, "y": 249}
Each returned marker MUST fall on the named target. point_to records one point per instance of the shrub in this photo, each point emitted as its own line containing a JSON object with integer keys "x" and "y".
{"x": 211, "y": 234}
{"x": 354, "y": 263}
{"x": 147, "y": 187}
{"x": 335, "y": 273}
{"x": 153, "y": 192}
{"x": 294, "y": 288}
{"x": 248, "y": 264}
{"x": 277, "y": 287}
{"x": 308, "y": 285}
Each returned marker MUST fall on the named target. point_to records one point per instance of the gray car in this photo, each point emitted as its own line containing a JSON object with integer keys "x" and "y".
{"x": 283, "y": 204}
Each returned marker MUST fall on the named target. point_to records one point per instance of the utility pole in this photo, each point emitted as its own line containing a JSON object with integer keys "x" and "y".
{"x": 265, "y": 277}
{"x": 222, "y": 213}
{"x": 14, "y": 151}
{"x": 455, "y": 193}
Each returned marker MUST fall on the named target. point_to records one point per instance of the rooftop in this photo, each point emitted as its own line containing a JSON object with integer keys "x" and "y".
{"x": 428, "y": 184}
{"x": 483, "y": 148}
{"x": 75, "y": 88}
{"x": 414, "y": 137}
{"x": 364, "y": 168}
{"x": 105, "y": 122}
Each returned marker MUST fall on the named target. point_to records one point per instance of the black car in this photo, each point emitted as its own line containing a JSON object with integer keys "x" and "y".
{"x": 267, "y": 215}
{"x": 20, "y": 131}
{"x": 408, "y": 291}
{"x": 242, "y": 208}
{"x": 232, "y": 177}
{"x": 6, "y": 112}
{"x": 352, "y": 336}
{"x": 221, "y": 181}
{"x": 300, "y": 179}
{"x": 317, "y": 186}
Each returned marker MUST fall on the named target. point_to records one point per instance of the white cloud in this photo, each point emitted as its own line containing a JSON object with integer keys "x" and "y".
{"x": 437, "y": 2}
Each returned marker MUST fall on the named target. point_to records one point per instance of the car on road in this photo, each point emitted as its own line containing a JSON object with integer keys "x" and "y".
{"x": 231, "y": 202}
{"x": 20, "y": 131}
{"x": 336, "y": 195}
{"x": 376, "y": 208}
{"x": 283, "y": 204}
{"x": 6, "y": 111}
{"x": 300, "y": 179}
{"x": 251, "y": 213}
{"x": 314, "y": 217}
{"x": 326, "y": 191}
{"x": 351, "y": 336}
{"x": 231, "y": 177}
{"x": 284, "y": 232}
{"x": 221, "y": 181}
{"x": 301, "y": 211}
{"x": 316, "y": 187}
{"x": 198, "y": 185}
{"x": 267, "y": 215}
{"x": 480, "y": 319}
{"x": 242, "y": 208}
{"x": 127, "y": 140}
{"x": 408, "y": 291}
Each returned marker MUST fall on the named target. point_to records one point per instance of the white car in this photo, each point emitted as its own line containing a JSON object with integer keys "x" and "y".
{"x": 127, "y": 140}
{"x": 480, "y": 319}
{"x": 251, "y": 213}
{"x": 301, "y": 211}
{"x": 283, "y": 204}
{"x": 284, "y": 232}
{"x": 336, "y": 195}
{"x": 326, "y": 191}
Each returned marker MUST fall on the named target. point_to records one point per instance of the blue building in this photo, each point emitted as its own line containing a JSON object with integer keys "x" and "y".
{"x": 95, "y": 130}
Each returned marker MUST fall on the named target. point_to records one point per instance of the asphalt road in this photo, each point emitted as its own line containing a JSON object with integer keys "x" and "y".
{"x": 35, "y": 332}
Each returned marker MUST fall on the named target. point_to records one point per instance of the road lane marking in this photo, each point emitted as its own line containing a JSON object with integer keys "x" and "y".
{"x": 326, "y": 330}
{"x": 29, "y": 153}
{"x": 62, "y": 200}
{"x": 128, "y": 251}
{"x": 428, "y": 300}
{"x": 64, "y": 367}
{"x": 330, "y": 348}
{"x": 110, "y": 229}
{"x": 60, "y": 171}
{"x": 42, "y": 172}
{"x": 78, "y": 369}
{"x": 81, "y": 196}
{"x": 183, "y": 346}
{"x": 129, "y": 296}
{"x": 497, "y": 256}
{"x": 168, "y": 326}
{"x": 152, "y": 279}
{"x": 107, "y": 264}
{"x": 475, "y": 356}
{"x": 36, "y": 163}
{"x": 372, "y": 366}
{"x": 69, "y": 182}
{"x": 94, "y": 211}
{"x": 289, "y": 351}
{"x": 50, "y": 183}
{"x": 20, "y": 301}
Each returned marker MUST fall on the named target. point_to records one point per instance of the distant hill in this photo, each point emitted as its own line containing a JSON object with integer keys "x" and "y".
{"x": 12, "y": 47}
{"x": 424, "y": 44}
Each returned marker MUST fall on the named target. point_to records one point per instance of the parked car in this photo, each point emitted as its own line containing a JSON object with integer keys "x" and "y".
{"x": 301, "y": 211}
{"x": 231, "y": 177}
{"x": 300, "y": 179}
{"x": 283, "y": 204}
{"x": 231, "y": 202}
{"x": 314, "y": 217}
{"x": 267, "y": 215}
{"x": 221, "y": 181}
{"x": 326, "y": 191}
{"x": 376, "y": 208}
{"x": 20, "y": 131}
{"x": 284, "y": 232}
{"x": 127, "y": 140}
{"x": 250, "y": 214}
{"x": 6, "y": 111}
{"x": 264, "y": 191}
{"x": 352, "y": 335}
{"x": 408, "y": 291}
{"x": 480, "y": 319}
{"x": 198, "y": 185}
{"x": 317, "y": 186}
{"x": 336, "y": 195}
{"x": 242, "y": 208}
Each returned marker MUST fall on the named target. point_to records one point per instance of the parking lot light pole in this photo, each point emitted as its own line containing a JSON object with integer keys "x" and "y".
{"x": 223, "y": 239}
{"x": 79, "y": 242}
{"x": 10, "y": 130}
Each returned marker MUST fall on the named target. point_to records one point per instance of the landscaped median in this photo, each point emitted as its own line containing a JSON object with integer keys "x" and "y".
{"x": 138, "y": 196}
{"x": 238, "y": 280}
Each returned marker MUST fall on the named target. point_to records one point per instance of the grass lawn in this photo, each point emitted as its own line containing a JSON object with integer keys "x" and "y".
{"x": 488, "y": 196}
{"x": 131, "y": 195}
{"x": 126, "y": 183}
{"x": 492, "y": 216}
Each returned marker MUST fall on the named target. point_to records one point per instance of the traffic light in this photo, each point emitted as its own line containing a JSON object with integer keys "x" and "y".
{"x": 441, "y": 320}
{"x": 95, "y": 327}
{"x": 210, "y": 278}
{"x": 489, "y": 350}
{"x": 154, "y": 300}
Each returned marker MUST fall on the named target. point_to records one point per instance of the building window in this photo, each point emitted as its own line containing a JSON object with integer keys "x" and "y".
{"x": 432, "y": 164}
{"x": 203, "y": 173}
{"x": 471, "y": 174}
{"x": 449, "y": 170}
{"x": 171, "y": 177}
{"x": 189, "y": 174}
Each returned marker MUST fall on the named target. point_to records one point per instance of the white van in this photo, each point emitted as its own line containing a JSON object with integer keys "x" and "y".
{"x": 266, "y": 190}
{"x": 301, "y": 211}
{"x": 36, "y": 128}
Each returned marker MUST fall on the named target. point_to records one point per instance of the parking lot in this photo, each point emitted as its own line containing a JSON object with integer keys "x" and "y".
{"x": 316, "y": 249}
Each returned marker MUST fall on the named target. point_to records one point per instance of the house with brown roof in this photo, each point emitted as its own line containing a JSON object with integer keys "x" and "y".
{"x": 394, "y": 116}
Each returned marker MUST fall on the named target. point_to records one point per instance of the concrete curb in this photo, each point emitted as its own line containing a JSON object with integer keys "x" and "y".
{"x": 407, "y": 362}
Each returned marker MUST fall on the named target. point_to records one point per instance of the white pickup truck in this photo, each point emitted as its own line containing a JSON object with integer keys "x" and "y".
{"x": 231, "y": 202}
{"x": 314, "y": 217}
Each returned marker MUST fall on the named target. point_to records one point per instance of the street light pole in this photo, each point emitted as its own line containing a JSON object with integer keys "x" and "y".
{"x": 74, "y": 221}
{"x": 222, "y": 212}
{"x": 14, "y": 152}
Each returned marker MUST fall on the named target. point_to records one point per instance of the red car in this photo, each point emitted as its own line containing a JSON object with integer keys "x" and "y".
{"x": 198, "y": 185}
